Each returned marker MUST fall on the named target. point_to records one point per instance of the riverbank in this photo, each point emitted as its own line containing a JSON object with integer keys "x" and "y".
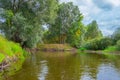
{"x": 55, "y": 47}
{"x": 67, "y": 47}
{"x": 10, "y": 53}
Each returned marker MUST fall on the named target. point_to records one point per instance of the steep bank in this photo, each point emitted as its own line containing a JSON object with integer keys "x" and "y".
{"x": 10, "y": 53}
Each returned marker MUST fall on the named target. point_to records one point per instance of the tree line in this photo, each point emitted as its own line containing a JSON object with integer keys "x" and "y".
{"x": 22, "y": 21}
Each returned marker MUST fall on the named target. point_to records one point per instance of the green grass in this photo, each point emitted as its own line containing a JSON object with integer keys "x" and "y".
{"x": 2, "y": 57}
{"x": 10, "y": 49}
{"x": 55, "y": 46}
{"x": 82, "y": 49}
{"x": 110, "y": 49}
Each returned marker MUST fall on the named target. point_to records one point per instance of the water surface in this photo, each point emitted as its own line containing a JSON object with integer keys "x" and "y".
{"x": 68, "y": 66}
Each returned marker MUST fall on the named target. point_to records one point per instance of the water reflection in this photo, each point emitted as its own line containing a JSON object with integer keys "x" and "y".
{"x": 67, "y": 66}
{"x": 44, "y": 70}
{"x": 110, "y": 70}
{"x": 86, "y": 76}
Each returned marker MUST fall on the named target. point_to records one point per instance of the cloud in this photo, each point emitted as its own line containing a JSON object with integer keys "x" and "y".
{"x": 105, "y": 12}
{"x": 87, "y": 7}
{"x": 105, "y": 5}
{"x": 115, "y": 3}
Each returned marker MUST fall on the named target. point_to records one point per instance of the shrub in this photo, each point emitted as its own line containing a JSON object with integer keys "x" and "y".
{"x": 82, "y": 48}
{"x": 111, "y": 48}
{"x": 98, "y": 44}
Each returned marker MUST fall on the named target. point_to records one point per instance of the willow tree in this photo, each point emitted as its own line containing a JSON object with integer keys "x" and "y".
{"x": 22, "y": 20}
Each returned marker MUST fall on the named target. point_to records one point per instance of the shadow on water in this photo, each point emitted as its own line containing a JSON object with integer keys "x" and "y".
{"x": 68, "y": 66}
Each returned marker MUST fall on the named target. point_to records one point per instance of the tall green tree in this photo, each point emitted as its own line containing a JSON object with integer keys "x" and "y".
{"x": 92, "y": 31}
{"x": 23, "y": 19}
{"x": 68, "y": 15}
{"x": 75, "y": 35}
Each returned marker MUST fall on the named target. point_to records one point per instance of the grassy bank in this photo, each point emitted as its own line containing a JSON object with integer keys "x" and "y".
{"x": 55, "y": 47}
{"x": 9, "y": 52}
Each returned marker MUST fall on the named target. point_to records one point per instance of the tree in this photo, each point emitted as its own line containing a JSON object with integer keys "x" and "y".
{"x": 24, "y": 19}
{"x": 75, "y": 35}
{"x": 68, "y": 15}
{"x": 41, "y": 9}
{"x": 116, "y": 35}
{"x": 92, "y": 31}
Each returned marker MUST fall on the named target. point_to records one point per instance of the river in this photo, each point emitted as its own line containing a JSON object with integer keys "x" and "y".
{"x": 68, "y": 66}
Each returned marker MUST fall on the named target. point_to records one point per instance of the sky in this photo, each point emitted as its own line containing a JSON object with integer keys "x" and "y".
{"x": 105, "y": 12}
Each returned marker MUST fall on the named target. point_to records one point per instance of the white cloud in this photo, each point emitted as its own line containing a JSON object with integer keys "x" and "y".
{"x": 114, "y": 2}
{"x": 107, "y": 32}
{"x": 86, "y": 7}
{"x": 66, "y": 1}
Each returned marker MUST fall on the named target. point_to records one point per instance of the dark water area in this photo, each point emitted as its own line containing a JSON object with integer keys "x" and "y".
{"x": 68, "y": 66}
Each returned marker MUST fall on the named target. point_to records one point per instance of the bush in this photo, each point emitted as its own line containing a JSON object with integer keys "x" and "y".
{"x": 98, "y": 44}
{"x": 111, "y": 48}
{"x": 82, "y": 49}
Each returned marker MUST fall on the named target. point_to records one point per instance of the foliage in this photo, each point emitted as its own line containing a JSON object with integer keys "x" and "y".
{"x": 10, "y": 49}
{"x": 98, "y": 43}
{"x": 92, "y": 31}
{"x": 2, "y": 57}
{"x": 116, "y": 35}
{"x": 20, "y": 31}
{"x": 76, "y": 34}
{"x": 23, "y": 19}
{"x": 41, "y": 9}
{"x": 82, "y": 48}
{"x": 110, "y": 48}
{"x": 67, "y": 23}
{"x": 118, "y": 45}
{"x": 15, "y": 48}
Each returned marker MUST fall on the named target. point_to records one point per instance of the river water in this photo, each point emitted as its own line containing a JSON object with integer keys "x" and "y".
{"x": 68, "y": 66}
